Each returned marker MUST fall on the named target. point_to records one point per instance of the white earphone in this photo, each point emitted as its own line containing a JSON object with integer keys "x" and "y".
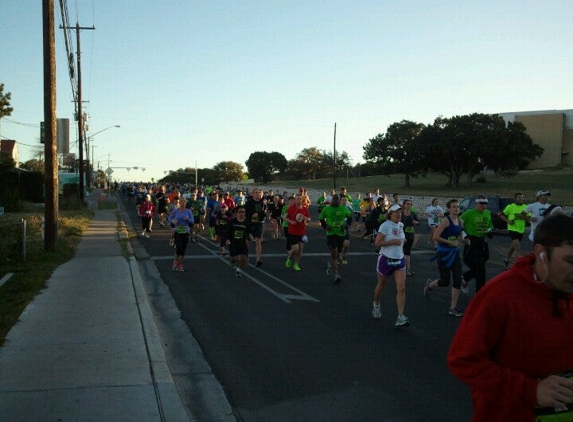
{"x": 542, "y": 256}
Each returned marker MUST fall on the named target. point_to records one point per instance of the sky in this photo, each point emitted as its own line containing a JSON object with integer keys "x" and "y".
{"x": 193, "y": 83}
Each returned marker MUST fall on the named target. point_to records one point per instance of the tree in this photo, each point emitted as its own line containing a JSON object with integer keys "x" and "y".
{"x": 34, "y": 165}
{"x": 514, "y": 151}
{"x": 6, "y": 162}
{"x": 263, "y": 165}
{"x": 467, "y": 144}
{"x": 307, "y": 164}
{"x": 342, "y": 162}
{"x": 5, "y": 109}
{"x": 396, "y": 151}
{"x": 228, "y": 171}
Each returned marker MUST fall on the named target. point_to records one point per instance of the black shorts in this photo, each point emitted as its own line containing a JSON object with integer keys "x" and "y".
{"x": 257, "y": 230}
{"x": 237, "y": 249}
{"x": 515, "y": 235}
{"x": 335, "y": 242}
{"x": 295, "y": 239}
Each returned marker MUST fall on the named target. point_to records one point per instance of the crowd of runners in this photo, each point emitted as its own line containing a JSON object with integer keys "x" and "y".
{"x": 512, "y": 349}
{"x": 235, "y": 219}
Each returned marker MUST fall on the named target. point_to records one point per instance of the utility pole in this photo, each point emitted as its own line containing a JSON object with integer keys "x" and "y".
{"x": 79, "y": 109}
{"x": 334, "y": 157}
{"x": 50, "y": 143}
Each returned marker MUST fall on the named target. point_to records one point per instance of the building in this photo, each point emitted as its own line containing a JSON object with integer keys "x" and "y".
{"x": 10, "y": 148}
{"x": 550, "y": 129}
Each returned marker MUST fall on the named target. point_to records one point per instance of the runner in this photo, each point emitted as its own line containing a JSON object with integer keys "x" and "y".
{"x": 297, "y": 217}
{"x": 285, "y": 224}
{"x": 448, "y": 234}
{"x": 182, "y": 219}
{"x": 146, "y": 211}
{"x": 195, "y": 206}
{"x": 390, "y": 239}
{"x": 222, "y": 218}
{"x": 161, "y": 198}
{"x": 238, "y": 240}
{"x": 256, "y": 211}
{"x": 434, "y": 213}
{"x": 537, "y": 210}
{"x": 512, "y": 215}
{"x": 334, "y": 219}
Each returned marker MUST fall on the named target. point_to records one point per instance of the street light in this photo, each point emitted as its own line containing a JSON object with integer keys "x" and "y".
{"x": 88, "y": 141}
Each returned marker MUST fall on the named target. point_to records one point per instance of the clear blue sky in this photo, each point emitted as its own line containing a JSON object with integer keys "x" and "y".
{"x": 208, "y": 81}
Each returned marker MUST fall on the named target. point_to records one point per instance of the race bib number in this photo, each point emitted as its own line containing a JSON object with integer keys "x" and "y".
{"x": 181, "y": 229}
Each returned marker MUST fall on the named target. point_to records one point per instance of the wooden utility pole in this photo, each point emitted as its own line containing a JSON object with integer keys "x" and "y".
{"x": 80, "y": 115}
{"x": 334, "y": 157}
{"x": 50, "y": 144}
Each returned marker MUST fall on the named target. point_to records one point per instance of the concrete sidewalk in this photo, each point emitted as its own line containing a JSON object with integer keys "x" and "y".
{"x": 87, "y": 348}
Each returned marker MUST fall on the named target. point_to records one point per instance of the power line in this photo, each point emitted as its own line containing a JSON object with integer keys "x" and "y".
{"x": 68, "y": 42}
{"x": 21, "y": 124}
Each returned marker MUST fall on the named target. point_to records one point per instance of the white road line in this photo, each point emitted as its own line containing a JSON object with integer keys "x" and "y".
{"x": 287, "y": 298}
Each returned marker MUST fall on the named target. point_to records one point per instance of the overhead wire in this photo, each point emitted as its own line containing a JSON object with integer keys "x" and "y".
{"x": 69, "y": 45}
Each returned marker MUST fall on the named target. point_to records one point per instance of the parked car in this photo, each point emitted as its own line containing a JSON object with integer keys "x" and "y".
{"x": 495, "y": 204}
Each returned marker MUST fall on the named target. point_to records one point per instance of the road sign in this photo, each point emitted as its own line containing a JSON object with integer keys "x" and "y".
{"x": 109, "y": 171}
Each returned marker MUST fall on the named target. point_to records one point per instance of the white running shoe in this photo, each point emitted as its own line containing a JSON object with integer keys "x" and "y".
{"x": 376, "y": 314}
{"x": 402, "y": 321}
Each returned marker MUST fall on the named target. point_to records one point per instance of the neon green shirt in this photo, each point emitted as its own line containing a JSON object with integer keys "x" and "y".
{"x": 335, "y": 218}
{"x": 513, "y": 211}
{"x": 477, "y": 223}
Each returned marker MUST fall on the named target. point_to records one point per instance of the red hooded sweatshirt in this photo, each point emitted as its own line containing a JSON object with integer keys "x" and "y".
{"x": 514, "y": 332}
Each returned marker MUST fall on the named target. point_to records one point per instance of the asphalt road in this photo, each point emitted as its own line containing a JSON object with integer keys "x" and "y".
{"x": 295, "y": 346}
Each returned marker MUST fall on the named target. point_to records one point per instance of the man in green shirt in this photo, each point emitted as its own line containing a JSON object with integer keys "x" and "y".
{"x": 195, "y": 206}
{"x": 334, "y": 219}
{"x": 320, "y": 201}
{"x": 515, "y": 226}
{"x": 477, "y": 225}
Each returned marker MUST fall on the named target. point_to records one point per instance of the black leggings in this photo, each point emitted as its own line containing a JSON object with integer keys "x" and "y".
{"x": 475, "y": 257}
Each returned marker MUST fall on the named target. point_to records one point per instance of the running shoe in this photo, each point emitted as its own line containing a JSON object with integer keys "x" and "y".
{"x": 171, "y": 242}
{"x": 238, "y": 273}
{"x": 337, "y": 278}
{"x": 288, "y": 263}
{"x": 143, "y": 233}
{"x": 147, "y": 236}
{"x": 410, "y": 272}
{"x": 427, "y": 289}
{"x": 376, "y": 314}
{"x": 174, "y": 266}
{"x": 505, "y": 264}
{"x": 180, "y": 268}
{"x": 296, "y": 267}
{"x": 328, "y": 268}
{"x": 402, "y": 321}
{"x": 457, "y": 312}
{"x": 343, "y": 260}
{"x": 465, "y": 286}
{"x": 259, "y": 263}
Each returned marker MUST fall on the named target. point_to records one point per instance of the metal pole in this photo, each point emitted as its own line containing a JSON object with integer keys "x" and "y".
{"x": 23, "y": 225}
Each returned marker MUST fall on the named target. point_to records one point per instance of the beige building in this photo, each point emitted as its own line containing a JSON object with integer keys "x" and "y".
{"x": 552, "y": 130}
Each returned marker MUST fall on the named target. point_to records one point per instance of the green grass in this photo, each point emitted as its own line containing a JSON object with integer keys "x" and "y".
{"x": 558, "y": 182}
{"x": 31, "y": 274}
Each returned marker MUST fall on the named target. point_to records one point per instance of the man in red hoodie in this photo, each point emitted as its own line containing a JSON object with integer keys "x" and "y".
{"x": 514, "y": 346}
